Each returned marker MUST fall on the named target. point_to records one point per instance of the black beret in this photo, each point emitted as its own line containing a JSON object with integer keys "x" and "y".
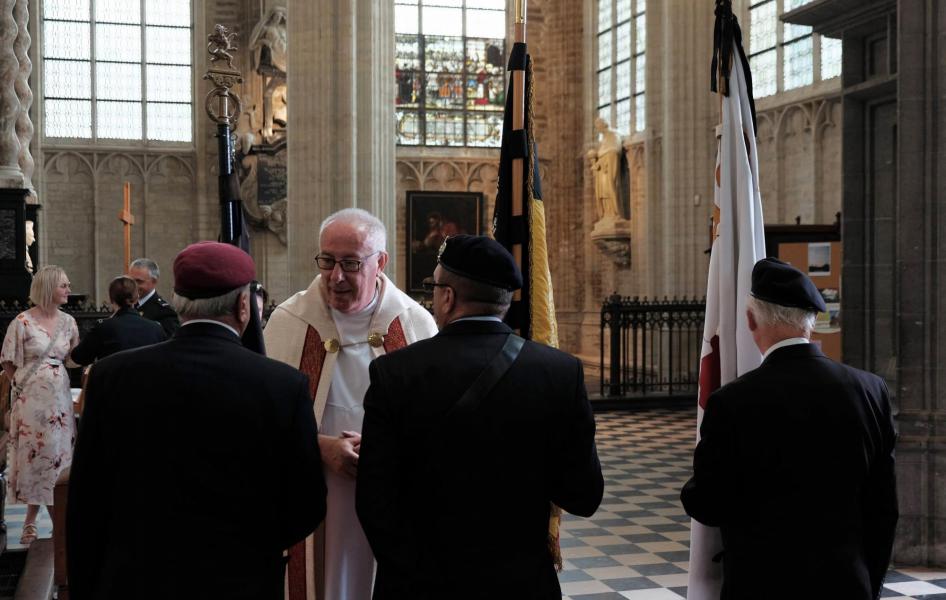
{"x": 209, "y": 269}
{"x": 780, "y": 283}
{"x": 482, "y": 259}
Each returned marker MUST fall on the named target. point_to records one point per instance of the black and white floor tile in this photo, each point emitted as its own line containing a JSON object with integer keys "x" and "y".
{"x": 636, "y": 546}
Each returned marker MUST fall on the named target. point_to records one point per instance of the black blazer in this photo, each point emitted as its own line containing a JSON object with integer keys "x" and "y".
{"x": 196, "y": 464}
{"x": 124, "y": 330}
{"x": 796, "y": 466}
{"x": 458, "y": 506}
{"x": 158, "y": 309}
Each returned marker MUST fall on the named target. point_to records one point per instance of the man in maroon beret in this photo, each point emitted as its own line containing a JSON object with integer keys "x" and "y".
{"x": 166, "y": 478}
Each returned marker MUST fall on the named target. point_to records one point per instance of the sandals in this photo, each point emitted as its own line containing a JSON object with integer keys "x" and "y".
{"x": 29, "y": 534}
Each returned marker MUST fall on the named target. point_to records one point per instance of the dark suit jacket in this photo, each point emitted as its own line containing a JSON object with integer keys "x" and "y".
{"x": 796, "y": 466}
{"x": 124, "y": 330}
{"x": 457, "y": 506}
{"x": 158, "y": 309}
{"x": 196, "y": 464}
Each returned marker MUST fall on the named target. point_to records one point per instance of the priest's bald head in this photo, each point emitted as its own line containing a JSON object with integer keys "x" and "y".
{"x": 351, "y": 255}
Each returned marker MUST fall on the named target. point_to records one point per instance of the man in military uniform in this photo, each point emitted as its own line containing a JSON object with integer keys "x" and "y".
{"x": 151, "y": 305}
{"x": 468, "y": 438}
{"x": 795, "y": 463}
{"x": 166, "y": 476}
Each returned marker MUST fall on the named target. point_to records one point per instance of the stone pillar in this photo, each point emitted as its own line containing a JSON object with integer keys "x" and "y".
{"x": 685, "y": 120}
{"x": 341, "y": 121}
{"x": 920, "y": 221}
{"x": 10, "y": 174}
{"x": 24, "y": 126}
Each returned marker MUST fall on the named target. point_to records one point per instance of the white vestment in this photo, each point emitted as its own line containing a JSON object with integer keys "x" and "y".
{"x": 298, "y": 333}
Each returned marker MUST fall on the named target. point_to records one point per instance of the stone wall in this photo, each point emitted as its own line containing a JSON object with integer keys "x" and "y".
{"x": 83, "y": 196}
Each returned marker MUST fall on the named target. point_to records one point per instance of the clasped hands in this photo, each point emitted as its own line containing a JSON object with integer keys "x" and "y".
{"x": 340, "y": 454}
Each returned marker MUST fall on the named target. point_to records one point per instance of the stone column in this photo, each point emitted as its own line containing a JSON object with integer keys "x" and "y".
{"x": 24, "y": 126}
{"x": 685, "y": 120}
{"x": 10, "y": 174}
{"x": 341, "y": 121}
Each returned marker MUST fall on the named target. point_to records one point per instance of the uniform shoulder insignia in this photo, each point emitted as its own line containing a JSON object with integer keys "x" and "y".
{"x": 163, "y": 303}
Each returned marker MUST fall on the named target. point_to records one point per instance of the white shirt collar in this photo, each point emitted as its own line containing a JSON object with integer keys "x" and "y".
{"x": 147, "y": 297}
{"x": 786, "y": 342}
{"x": 479, "y": 318}
{"x": 192, "y": 321}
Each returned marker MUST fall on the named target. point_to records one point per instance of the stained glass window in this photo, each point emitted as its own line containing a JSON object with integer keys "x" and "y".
{"x": 785, "y": 57}
{"x": 118, "y": 69}
{"x": 621, "y": 42}
{"x": 450, "y": 74}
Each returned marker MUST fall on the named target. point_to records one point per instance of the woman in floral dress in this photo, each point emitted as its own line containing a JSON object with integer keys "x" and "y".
{"x": 41, "y": 421}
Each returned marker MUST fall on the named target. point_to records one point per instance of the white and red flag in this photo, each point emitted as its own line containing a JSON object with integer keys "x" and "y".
{"x": 738, "y": 242}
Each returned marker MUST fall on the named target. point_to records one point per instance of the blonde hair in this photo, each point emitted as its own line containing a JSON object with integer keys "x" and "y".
{"x": 44, "y": 285}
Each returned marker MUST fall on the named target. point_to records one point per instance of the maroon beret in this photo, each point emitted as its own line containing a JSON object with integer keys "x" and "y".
{"x": 208, "y": 269}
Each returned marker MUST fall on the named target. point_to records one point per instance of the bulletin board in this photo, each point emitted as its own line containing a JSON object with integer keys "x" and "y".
{"x": 816, "y": 251}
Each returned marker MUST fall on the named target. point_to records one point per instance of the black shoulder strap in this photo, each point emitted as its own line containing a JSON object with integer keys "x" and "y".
{"x": 491, "y": 375}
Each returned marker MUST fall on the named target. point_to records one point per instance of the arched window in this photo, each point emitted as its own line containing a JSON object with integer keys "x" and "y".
{"x": 785, "y": 56}
{"x": 622, "y": 63}
{"x": 117, "y": 69}
{"x": 450, "y": 72}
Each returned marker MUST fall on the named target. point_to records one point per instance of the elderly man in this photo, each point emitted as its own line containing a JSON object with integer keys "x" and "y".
{"x": 796, "y": 460}
{"x": 151, "y": 305}
{"x": 468, "y": 439}
{"x": 349, "y": 315}
{"x": 167, "y": 476}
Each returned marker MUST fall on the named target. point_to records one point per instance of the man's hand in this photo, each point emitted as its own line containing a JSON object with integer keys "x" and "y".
{"x": 340, "y": 454}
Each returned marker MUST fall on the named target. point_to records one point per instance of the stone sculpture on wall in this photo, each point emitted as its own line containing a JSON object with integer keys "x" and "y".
{"x": 605, "y": 162}
{"x": 30, "y": 240}
{"x": 261, "y": 146}
{"x": 611, "y": 232}
{"x": 268, "y": 43}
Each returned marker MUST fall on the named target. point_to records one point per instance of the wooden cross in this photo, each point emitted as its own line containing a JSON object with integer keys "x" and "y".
{"x": 126, "y": 217}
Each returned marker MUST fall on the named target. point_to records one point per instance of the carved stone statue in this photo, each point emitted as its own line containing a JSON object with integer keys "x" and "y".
{"x": 30, "y": 240}
{"x": 605, "y": 163}
{"x": 611, "y": 232}
{"x": 268, "y": 43}
{"x": 220, "y": 45}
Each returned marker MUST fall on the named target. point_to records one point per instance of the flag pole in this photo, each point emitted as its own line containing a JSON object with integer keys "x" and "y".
{"x": 518, "y": 124}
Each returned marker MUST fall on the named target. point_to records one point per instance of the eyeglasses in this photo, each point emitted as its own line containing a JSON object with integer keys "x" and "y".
{"x": 429, "y": 284}
{"x": 349, "y": 265}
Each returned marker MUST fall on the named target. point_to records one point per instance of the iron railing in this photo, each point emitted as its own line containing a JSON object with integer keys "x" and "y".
{"x": 652, "y": 346}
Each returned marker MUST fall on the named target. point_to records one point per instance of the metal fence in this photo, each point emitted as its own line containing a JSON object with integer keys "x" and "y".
{"x": 651, "y": 346}
{"x": 86, "y": 314}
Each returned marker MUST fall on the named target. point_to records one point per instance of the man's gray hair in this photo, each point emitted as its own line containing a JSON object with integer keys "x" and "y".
{"x": 768, "y": 313}
{"x": 146, "y": 263}
{"x": 364, "y": 222}
{"x": 489, "y": 299}
{"x": 208, "y": 308}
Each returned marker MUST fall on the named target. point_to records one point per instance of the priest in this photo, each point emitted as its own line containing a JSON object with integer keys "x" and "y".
{"x": 350, "y": 314}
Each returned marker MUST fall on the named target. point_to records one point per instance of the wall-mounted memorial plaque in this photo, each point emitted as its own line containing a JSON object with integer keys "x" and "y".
{"x": 271, "y": 178}
{"x": 14, "y": 277}
{"x": 7, "y": 233}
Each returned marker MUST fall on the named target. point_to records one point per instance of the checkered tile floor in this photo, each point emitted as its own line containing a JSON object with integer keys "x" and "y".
{"x": 637, "y": 545}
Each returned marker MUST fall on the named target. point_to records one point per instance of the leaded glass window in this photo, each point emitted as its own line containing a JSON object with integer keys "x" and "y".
{"x": 118, "y": 69}
{"x": 621, "y": 63}
{"x": 784, "y": 56}
{"x": 450, "y": 75}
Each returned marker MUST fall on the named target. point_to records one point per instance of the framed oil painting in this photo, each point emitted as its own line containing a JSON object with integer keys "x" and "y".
{"x": 431, "y": 218}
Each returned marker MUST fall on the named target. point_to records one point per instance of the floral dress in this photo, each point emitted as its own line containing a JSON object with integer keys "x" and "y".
{"x": 41, "y": 421}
